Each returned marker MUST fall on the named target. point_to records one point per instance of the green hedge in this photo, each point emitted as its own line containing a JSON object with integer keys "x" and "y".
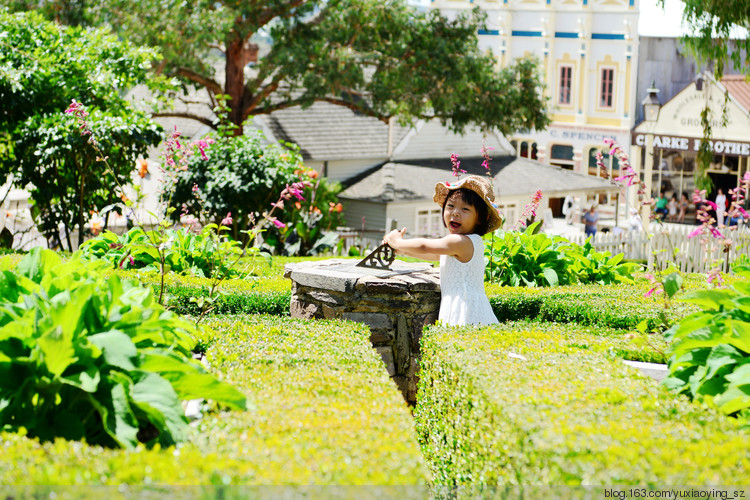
{"x": 325, "y": 412}
{"x": 566, "y": 415}
{"x": 251, "y": 295}
{"x": 615, "y": 306}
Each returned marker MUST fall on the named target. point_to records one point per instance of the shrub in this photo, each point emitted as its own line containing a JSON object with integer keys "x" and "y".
{"x": 536, "y": 259}
{"x": 326, "y": 413}
{"x": 614, "y": 306}
{"x": 710, "y": 349}
{"x": 521, "y": 405}
{"x": 202, "y": 254}
{"x": 85, "y": 357}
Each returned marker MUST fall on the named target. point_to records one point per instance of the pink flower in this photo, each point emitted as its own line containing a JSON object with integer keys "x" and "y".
{"x": 278, "y": 223}
{"x": 457, "y": 171}
{"x": 202, "y": 145}
{"x": 227, "y": 221}
{"x": 714, "y": 278}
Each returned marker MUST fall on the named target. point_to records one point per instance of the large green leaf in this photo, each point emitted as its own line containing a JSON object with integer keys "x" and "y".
{"x": 36, "y": 263}
{"x": 153, "y": 393}
{"x": 117, "y": 348}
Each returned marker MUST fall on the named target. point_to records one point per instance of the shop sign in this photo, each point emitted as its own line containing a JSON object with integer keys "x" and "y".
{"x": 677, "y": 143}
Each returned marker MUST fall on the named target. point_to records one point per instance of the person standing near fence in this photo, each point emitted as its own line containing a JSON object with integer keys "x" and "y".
{"x": 590, "y": 221}
{"x": 721, "y": 206}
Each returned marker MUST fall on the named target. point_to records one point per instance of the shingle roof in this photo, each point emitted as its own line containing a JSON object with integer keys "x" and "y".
{"x": 739, "y": 88}
{"x": 512, "y": 177}
{"x": 327, "y": 131}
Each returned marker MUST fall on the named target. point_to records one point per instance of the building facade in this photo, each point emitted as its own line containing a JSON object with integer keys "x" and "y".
{"x": 588, "y": 53}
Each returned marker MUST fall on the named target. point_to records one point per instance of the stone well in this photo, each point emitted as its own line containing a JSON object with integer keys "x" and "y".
{"x": 395, "y": 303}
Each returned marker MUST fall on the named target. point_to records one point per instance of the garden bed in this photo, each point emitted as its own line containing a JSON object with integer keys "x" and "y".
{"x": 325, "y": 412}
{"x": 544, "y": 404}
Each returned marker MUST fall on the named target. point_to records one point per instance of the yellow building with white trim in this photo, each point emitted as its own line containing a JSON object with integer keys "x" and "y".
{"x": 588, "y": 52}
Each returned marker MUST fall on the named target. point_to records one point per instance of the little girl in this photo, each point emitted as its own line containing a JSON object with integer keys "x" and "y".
{"x": 468, "y": 213}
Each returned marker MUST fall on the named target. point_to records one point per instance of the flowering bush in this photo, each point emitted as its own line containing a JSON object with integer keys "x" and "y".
{"x": 310, "y": 220}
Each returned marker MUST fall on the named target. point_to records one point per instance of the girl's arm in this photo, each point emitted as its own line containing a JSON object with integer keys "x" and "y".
{"x": 457, "y": 245}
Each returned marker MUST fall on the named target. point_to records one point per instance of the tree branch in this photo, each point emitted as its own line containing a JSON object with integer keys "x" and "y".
{"x": 190, "y": 116}
{"x": 210, "y": 84}
{"x": 332, "y": 100}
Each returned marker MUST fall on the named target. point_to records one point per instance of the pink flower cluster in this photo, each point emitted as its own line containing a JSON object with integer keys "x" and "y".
{"x": 296, "y": 190}
{"x": 530, "y": 209}
{"x": 707, "y": 227}
{"x": 79, "y": 111}
{"x": 457, "y": 171}
{"x": 485, "y": 152}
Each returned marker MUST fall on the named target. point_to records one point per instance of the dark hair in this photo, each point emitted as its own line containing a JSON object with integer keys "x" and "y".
{"x": 473, "y": 199}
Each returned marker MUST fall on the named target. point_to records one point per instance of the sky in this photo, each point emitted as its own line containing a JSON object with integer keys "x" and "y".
{"x": 657, "y": 21}
{"x": 653, "y": 21}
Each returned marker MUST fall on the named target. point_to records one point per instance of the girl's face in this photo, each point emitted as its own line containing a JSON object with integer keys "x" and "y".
{"x": 459, "y": 216}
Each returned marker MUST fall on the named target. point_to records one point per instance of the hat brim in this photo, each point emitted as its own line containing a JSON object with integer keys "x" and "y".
{"x": 443, "y": 190}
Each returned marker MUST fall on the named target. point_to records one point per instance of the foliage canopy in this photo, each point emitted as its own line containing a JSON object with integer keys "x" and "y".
{"x": 381, "y": 58}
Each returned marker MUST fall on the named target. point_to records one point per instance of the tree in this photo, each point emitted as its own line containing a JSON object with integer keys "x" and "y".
{"x": 714, "y": 23}
{"x": 381, "y": 58}
{"x": 43, "y": 67}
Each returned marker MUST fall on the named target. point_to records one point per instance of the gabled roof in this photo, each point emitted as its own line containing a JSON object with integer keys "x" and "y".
{"x": 512, "y": 177}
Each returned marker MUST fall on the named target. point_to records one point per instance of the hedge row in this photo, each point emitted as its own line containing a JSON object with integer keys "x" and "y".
{"x": 251, "y": 295}
{"x": 616, "y": 306}
{"x": 564, "y": 415}
{"x": 325, "y": 412}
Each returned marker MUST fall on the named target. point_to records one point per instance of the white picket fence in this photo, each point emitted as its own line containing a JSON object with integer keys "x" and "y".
{"x": 661, "y": 245}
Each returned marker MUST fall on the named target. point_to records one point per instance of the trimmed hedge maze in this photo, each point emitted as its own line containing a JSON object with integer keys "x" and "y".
{"x": 325, "y": 412}
{"x": 548, "y": 404}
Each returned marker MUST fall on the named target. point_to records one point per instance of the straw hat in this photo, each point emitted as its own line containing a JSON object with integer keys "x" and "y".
{"x": 479, "y": 185}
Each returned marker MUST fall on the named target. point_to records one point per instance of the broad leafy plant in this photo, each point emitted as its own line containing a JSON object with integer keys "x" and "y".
{"x": 84, "y": 357}
{"x": 710, "y": 349}
{"x": 586, "y": 265}
{"x": 185, "y": 251}
{"x": 526, "y": 259}
{"x": 535, "y": 259}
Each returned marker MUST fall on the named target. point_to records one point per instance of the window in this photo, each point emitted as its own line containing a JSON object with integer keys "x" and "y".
{"x": 566, "y": 78}
{"x": 510, "y": 212}
{"x": 561, "y": 155}
{"x": 607, "y": 88}
{"x": 528, "y": 150}
{"x": 611, "y": 164}
{"x": 430, "y": 222}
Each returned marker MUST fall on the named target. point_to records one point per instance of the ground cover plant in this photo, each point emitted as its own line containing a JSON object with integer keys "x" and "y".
{"x": 536, "y": 404}
{"x": 324, "y": 412}
{"x": 83, "y": 356}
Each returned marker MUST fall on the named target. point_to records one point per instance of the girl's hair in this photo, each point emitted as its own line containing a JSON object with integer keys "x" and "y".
{"x": 473, "y": 199}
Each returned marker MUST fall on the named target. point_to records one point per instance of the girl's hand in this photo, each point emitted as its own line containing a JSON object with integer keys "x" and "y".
{"x": 394, "y": 237}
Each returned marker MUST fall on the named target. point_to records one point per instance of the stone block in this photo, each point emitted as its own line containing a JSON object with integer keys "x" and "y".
{"x": 324, "y": 279}
{"x": 304, "y": 310}
{"x": 402, "y": 345}
{"x": 386, "y": 353}
{"x": 372, "y": 319}
{"x": 380, "y": 337}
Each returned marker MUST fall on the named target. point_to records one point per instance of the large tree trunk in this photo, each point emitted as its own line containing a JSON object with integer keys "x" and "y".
{"x": 235, "y": 80}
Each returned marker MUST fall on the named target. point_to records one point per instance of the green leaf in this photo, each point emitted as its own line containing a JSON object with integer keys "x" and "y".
{"x": 157, "y": 398}
{"x": 117, "y": 348}
{"x": 37, "y": 262}
{"x": 672, "y": 283}
{"x": 57, "y": 350}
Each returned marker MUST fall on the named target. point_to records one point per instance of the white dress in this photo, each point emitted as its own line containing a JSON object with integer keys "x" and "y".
{"x": 463, "y": 300}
